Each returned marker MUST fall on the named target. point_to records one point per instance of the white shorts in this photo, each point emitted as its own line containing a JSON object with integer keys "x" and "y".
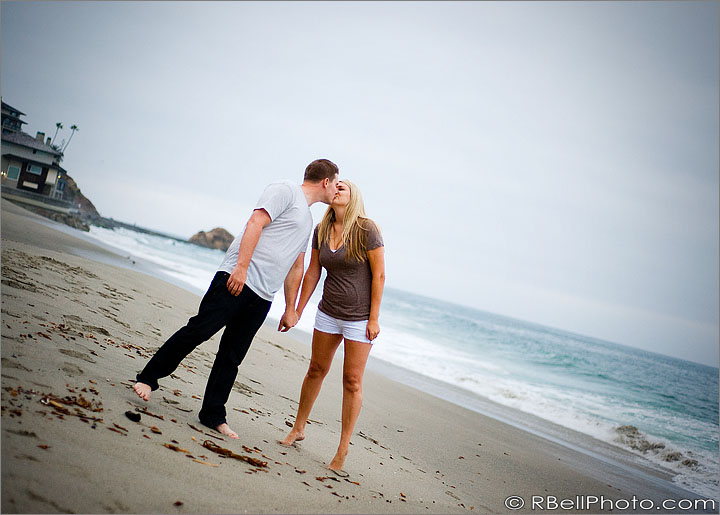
{"x": 351, "y": 330}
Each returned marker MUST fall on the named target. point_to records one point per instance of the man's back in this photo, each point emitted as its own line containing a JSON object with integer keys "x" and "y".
{"x": 281, "y": 241}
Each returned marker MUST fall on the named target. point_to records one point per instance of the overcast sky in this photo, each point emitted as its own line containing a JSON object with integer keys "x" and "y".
{"x": 554, "y": 162}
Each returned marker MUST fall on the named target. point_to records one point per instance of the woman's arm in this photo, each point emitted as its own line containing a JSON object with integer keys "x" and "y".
{"x": 376, "y": 257}
{"x": 312, "y": 276}
{"x": 292, "y": 285}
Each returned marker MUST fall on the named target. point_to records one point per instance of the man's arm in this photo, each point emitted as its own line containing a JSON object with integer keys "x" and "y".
{"x": 258, "y": 221}
{"x": 292, "y": 285}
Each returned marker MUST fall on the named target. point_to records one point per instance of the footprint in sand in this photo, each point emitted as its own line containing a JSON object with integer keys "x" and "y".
{"x": 9, "y": 363}
{"x": 41, "y": 385}
{"x": 77, "y": 354}
{"x": 22, "y": 433}
{"x": 11, "y": 283}
{"x": 95, "y": 330}
{"x": 27, "y": 457}
{"x": 111, "y": 316}
{"x": 154, "y": 330}
{"x": 37, "y": 497}
{"x": 72, "y": 370}
{"x": 452, "y": 495}
{"x": 244, "y": 389}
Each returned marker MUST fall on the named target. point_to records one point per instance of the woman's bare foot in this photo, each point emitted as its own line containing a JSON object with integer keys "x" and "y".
{"x": 338, "y": 461}
{"x": 142, "y": 390}
{"x": 225, "y": 429}
{"x": 291, "y": 438}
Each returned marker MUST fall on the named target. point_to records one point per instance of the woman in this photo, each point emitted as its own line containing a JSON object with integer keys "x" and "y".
{"x": 350, "y": 247}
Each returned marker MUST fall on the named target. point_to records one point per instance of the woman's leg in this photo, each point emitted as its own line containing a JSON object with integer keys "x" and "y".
{"x": 356, "y": 355}
{"x": 324, "y": 346}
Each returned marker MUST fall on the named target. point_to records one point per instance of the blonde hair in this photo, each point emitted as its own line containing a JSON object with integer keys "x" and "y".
{"x": 355, "y": 225}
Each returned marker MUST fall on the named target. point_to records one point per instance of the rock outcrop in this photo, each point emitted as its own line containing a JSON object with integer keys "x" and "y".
{"x": 73, "y": 194}
{"x": 73, "y": 220}
{"x": 218, "y": 238}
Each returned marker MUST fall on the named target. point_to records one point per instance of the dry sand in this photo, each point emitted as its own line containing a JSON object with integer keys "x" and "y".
{"x": 77, "y": 330}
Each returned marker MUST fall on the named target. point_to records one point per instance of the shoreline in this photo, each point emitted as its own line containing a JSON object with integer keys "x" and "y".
{"x": 392, "y": 429}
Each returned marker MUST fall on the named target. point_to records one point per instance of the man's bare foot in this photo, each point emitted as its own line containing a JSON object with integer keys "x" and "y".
{"x": 338, "y": 461}
{"x": 225, "y": 429}
{"x": 291, "y": 438}
{"x": 142, "y": 390}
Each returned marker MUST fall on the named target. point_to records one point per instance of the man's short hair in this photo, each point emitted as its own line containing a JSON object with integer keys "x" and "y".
{"x": 321, "y": 169}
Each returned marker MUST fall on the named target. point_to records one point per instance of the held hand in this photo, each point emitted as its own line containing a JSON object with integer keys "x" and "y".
{"x": 236, "y": 281}
{"x": 288, "y": 321}
{"x": 373, "y": 330}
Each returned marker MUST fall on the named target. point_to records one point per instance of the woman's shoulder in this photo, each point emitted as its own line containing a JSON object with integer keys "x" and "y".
{"x": 374, "y": 237}
{"x": 368, "y": 224}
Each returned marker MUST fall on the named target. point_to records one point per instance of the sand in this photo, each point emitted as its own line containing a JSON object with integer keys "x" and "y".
{"x": 77, "y": 330}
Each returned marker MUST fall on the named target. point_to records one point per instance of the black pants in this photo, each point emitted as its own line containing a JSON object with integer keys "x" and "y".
{"x": 241, "y": 316}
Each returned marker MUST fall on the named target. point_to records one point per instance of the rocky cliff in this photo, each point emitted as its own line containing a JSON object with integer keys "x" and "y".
{"x": 73, "y": 194}
{"x": 71, "y": 219}
{"x": 218, "y": 238}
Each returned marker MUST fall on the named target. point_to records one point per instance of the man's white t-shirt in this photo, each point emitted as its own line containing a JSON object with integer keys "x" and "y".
{"x": 281, "y": 241}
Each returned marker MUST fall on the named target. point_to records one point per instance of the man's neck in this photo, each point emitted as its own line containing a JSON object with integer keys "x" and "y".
{"x": 313, "y": 192}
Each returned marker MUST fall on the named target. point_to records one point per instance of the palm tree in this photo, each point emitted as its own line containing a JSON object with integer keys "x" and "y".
{"x": 58, "y": 126}
{"x": 73, "y": 128}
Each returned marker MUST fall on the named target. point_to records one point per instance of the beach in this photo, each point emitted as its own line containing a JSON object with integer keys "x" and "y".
{"x": 78, "y": 323}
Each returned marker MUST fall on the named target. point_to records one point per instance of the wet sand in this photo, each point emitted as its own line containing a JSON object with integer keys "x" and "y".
{"x": 75, "y": 331}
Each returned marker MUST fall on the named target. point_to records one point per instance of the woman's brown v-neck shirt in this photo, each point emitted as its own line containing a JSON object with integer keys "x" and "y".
{"x": 348, "y": 285}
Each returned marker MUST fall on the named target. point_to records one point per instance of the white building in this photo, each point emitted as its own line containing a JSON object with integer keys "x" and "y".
{"x": 28, "y": 164}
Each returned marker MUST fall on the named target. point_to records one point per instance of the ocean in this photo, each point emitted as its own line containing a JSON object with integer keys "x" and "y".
{"x": 661, "y": 409}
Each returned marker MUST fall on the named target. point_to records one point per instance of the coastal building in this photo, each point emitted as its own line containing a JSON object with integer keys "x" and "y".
{"x": 11, "y": 121}
{"x": 30, "y": 166}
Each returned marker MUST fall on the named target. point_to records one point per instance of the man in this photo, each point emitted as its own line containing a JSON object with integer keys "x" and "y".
{"x": 269, "y": 252}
